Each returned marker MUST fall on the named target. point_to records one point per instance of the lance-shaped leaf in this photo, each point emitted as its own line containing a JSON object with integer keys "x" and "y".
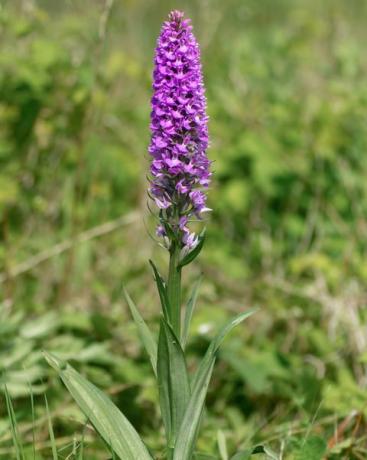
{"x": 216, "y": 343}
{"x": 162, "y": 291}
{"x": 107, "y": 419}
{"x": 173, "y": 381}
{"x": 222, "y": 445}
{"x": 145, "y": 335}
{"x": 186, "y": 438}
{"x": 194, "y": 253}
{"x": 188, "y": 312}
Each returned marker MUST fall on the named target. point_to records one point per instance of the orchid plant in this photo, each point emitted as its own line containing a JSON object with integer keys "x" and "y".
{"x": 179, "y": 178}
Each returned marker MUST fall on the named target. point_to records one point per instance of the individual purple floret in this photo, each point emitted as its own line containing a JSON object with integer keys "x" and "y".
{"x": 180, "y": 168}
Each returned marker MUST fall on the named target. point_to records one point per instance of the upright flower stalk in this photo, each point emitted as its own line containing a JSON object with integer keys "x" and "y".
{"x": 174, "y": 288}
{"x": 180, "y": 169}
{"x": 180, "y": 175}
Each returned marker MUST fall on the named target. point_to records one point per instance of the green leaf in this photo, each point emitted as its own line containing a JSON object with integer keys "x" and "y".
{"x": 243, "y": 455}
{"x": 189, "y": 429}
{"x": 39, "y": 327}
{"x": 246, "y": 454}
{"x": 18, "y": 446}
{"x": 222, "y": 445}
{"x": 108, "y": 421}
{"x": 173, "y": 381}
{"x": 56, "y": 363}
{"x": 267, "y": 451}
{"x": 162, "y": 290}
{"x": 81, "y": 444}
{"x": 51, "y": 431}
{"x": 33, "y": 421}
{"x": 194, "y": 253}
{"x": 217, "y": 341}
{"x": 145, "y": 335}
{"x": 313, "y": 449}
{"x": 188, "y": 312}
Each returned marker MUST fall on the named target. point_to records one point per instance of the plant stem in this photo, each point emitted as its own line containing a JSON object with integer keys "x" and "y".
{"x": 170, "y": 453}
{"x": 174, "y": 289}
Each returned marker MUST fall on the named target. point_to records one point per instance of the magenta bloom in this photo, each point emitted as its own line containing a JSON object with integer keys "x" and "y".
{"x": 180, "y": 168}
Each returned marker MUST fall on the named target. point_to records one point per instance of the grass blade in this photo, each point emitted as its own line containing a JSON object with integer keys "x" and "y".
{"x": 33, "y": 422}
{"x": 222, "y": 445}
{"x": 173, "y": 381}
{"x": 51, "y": 431}
{"x": 145, "y": 335}
{"x": 188, "y": 312}
{"x": 107, "y": 419}
{"x": 81, "y": 449}
{"x": 18, "y": 447}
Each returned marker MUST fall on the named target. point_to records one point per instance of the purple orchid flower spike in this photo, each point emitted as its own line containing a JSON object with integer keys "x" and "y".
{"x": 180, "y": 169}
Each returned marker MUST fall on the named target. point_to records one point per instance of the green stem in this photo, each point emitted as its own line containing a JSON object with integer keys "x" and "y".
{"x": 174, "y": 289}
{"x": 170, "y": 453}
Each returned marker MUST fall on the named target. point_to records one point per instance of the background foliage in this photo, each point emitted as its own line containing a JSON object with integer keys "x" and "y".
{"x": 287, "y": 96}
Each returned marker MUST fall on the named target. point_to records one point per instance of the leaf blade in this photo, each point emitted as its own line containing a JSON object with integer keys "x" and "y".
{"x": 195, "y": 252}
{"x": 51, "y": 431}
{"x": 173, "y": 381}
{"x": 217, "y": 341}
{"x": 18, "y": 446}
{"x": 162, "y": 291}
{"x": 189, "y": 429}
{"x": 144, "y": 333}
{"x": 107, "y": 419}
{"x": 186, "y": 438}
{"x": 189, "y": 310}
{"x": 222, "y": 445}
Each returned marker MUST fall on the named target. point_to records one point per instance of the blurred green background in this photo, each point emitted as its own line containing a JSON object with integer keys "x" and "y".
{"x": 287, "y": 98}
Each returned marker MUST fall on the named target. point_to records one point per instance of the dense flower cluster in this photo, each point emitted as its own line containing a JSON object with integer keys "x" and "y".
{"x": 180, "y": 168}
